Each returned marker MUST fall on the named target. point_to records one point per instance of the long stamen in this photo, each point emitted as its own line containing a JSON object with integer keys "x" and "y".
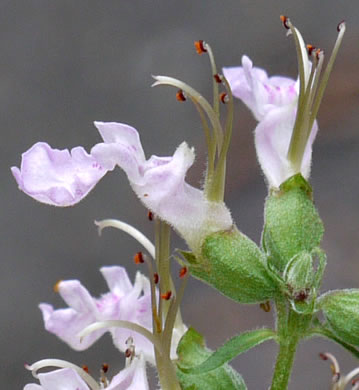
{"x": 172, "y": 314}
{"x": 328, "y": 69}
{"x": 136, "y": 234}
{"x": 63, "y": 364}
{"x": 217, "y": 128}
{"x": 349, "y": 378}
{"x": 334, "y": 366}
{"x": 125, "y": 325}
{"x": 217, "y": 190}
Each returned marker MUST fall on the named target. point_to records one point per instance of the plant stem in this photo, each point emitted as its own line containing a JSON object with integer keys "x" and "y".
{"x": 288, "y": 325}
{"x": 284, "y": 364}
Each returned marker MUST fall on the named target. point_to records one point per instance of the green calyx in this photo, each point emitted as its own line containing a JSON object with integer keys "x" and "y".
{"x": 341, "y": 310}
{"x": 234, "y": 265}
{"x": 292, "y": 223}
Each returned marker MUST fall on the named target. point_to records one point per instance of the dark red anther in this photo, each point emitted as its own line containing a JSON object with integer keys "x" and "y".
{"x": 200, "y": 47}
{"x": 104, "y": 368}
{"x": 150, "y": 215}
{"x": 284, "y": 20}
{"x": 180, "y": 96}
{"x": 167, "y": 295}
{"x": 218, "y": 78}
{"x": 323, "y": 356}
{"x": 85, "y": 368}
{"x": 183, "y": 272}
{"x": 265, "y": 306}
{"x": 156, "y": 278}
{"x": 138, "y": 258}
{"x": 310, "y": 49}
{"x": 128, "y": 353}
{"x": 340, "y": 24}
{"x": 223, "y": 97}
{"x": 57, "y": 286}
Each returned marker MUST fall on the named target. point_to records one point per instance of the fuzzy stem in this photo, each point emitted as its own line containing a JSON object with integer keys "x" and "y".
{"x": 284, "y": 364}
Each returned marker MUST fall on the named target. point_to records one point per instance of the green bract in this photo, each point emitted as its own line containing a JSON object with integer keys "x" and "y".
{"x": 341, "y": 309}
{"x": 233, "y": 264}
{"x": 292, "y": 223}
{"x": 191, "y": 352}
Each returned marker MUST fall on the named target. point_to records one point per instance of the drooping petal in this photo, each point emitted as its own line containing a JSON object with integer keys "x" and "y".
{"x": 124, "y": 302}
{"x": 160, "y": 183}
{"x": 258, "y": 91}
{"x": 133, "y": 377}
{"x": 57, "y": 177}
{"x": 65, "y": 378}
{"x": 67, "y": 323}
{"x": 272, "y": 139}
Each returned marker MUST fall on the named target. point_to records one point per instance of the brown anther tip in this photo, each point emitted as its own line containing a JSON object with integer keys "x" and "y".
{"x": 180, "y": 96}
{"x": 156, "y": 278}
{"x": 284, "y": 20}
{"x": 104, "y": 367}
{"x": 223, "y": 97}
{"x": 310, "y": 49}
{"x": 317, "y": 53}
{"x": 128, "y": 353}
{"x": 145, "y": 195}
{"x": 340, "y": 25}
{"x": 218, "y": 78}
{"x": 265, "y": 306}
{"x": 200, "y": 47}
{"x": 323, "y": 356}
{"x": 167, "y": 295}
{"x": 150, "y": 215}
{"x": 56, "y": 287}
{"x": 85, "y": 368}
{"x": 138, "y": 258}
{"x": 355, "y": 381}
{"x": 183, "y": 272}
{"x": 336, "y": 377}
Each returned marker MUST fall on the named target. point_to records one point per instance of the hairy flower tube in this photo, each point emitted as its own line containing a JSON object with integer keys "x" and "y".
{"x": 285, "y": 109}
{"x": 125, "y": 302}
{"x": 133, "y": 377}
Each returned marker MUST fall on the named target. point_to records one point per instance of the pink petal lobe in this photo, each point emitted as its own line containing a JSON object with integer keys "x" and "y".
{"x": 57, "y": 177}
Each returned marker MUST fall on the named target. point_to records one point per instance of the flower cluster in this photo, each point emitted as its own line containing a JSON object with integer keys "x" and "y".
{"x": 144, "y": 318}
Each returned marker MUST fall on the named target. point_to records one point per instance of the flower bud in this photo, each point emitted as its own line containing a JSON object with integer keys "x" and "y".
{"x": 234, "y": 265}
{"x": 341, "y": 310}
{"x": 292, "y": 223}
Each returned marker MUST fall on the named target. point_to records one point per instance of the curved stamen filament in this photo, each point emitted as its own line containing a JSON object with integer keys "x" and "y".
{"x": 63, "y": 364}
{"x": 328, "y": 69}
{"x": 122, "y": 324}
{"x": 217, "y": 128}
{"x": 129, "y": 229}
{"x": 214, "y": 72}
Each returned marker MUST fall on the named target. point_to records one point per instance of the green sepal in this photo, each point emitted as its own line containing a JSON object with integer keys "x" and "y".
{"x": 341, "y": 310}
{"x": 232, "y": 348}
{"x": 292, "y": 223}
{"x": 235, "y": 266}
{"x": 192, "y": 351}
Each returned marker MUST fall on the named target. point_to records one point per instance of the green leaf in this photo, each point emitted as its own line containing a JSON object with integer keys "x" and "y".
{"x": 192, "y": 351}
{"x": 325, "y": 332}
{"x": 232, "y": 348}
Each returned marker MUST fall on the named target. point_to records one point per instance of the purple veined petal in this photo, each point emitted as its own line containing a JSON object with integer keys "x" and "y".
{"x": 160, "y": 184}
{"x": 65, "y": 378}
{"x": 67, "y": 323}
{"x": 133, "y": 377}
{"x": 258, "y": 91}
{"x": 57, "y": 177}
{"x": 272, "y": 139}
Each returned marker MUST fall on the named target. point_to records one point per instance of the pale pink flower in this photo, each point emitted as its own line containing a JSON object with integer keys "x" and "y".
{"x": 124, "y": 302}
{"x": 133, "y": 377}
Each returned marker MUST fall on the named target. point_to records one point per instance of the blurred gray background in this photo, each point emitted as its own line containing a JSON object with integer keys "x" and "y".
{"x": 66, "y": 63}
